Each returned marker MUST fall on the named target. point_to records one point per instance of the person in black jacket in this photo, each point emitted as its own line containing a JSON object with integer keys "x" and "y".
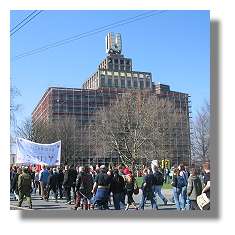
{"x": 67, "y": 183}
{"x": 130, "y": 186}
{"x": 84, "y": 185}
{"x": 117, "y": 188}
{"x": 14, "y": 186}
{"x": 176, "y": 188}
{"x": 147, "y": 192}
{"x": 60, "y": 182}
{"x": 73, "y": 173}
{"x": 52, "y": 184}
{"x": 101, "y": 189}
{"x": 158, "y": 180}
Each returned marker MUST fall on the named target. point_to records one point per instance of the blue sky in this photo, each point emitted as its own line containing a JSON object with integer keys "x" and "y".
{"x": 174, "y": 46}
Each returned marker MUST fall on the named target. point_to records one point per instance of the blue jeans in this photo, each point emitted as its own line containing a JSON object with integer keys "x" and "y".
{"x": 116, "y": 201}
{"x": 176, "y": 194}
{"x": 157, "y": 191}
{"x": 144, "y": 198}
{"x": 183, "y": 197}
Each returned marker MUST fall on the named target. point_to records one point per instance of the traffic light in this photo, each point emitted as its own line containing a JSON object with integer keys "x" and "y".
{"x": 165, "y": 163}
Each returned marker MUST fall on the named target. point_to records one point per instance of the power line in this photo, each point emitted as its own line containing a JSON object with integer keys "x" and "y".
{"x": 23, "y": 20}
{"x": 88, "y": 33}
{"x": 26, "y": 22}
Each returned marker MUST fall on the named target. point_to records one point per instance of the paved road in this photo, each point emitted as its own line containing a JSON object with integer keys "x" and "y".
{"x": 39, "y": 204}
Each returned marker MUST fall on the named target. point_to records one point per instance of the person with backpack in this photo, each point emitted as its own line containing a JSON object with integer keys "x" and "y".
{"x": 158, "y": 180}
{"x": 25, "y": 187}
{"x": 194, "y": 189}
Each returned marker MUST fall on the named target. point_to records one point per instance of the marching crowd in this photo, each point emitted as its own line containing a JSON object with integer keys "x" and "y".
{"x": 96, "y": 187}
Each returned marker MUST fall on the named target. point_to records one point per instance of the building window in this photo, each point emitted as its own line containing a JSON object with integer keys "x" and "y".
{"x": 109, "y": 82}
{"x": 135, "y": 83}
{"x": 116, "y": 82}
{"x": 128, "y": 68}
{"x": 122, "y": 83}
{"x": 122, "y": 67}
{"x": 116, "y": 61}
{"x": 121, "y": 61}
{"x": 141, "y": 84}
{"x": 127, "y": 62}
{"x": 102, "y": 80}
{"x": 116, "y": 67}
{"x": 147, "y": 83}
{"x": 129, "y": 83}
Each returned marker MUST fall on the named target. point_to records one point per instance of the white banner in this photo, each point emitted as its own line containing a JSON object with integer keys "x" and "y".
{"x": 29, "y": 152}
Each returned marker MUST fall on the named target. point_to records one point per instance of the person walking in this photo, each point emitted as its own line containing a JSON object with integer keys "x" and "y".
{"x": 13, "y": 172}
{"x": 183, "y": 179}
{"x": 25, "y": 187}
{"x": 194, "y": 189}
{"x": 158, "y": 180}
{"x": 130, "y": 186}
{"x": 117, "y": 188}
{"x": 43, "y": 178}
{"x": 14, "y": 186}
{"x": 60, "y": 182}
{"x": 101, "y": 189}
{"x": 121, "y": 168}
{"x": 177, "y": 187}
{"x": 147, "y": 192}
{"x": 84, "y": 185}
{"x": 52, "y": 184}
{"x": 73, "y": 173}
{"x": 206, "y": 180}
{"x": 37, "y": 183}
{"x": 68, "y": 183}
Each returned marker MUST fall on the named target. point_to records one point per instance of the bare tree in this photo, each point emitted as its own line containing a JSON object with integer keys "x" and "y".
{"x": 66, "y": 129}
{"x": 201, "y": 135}
{"x": 14, "y": 92}
{"x": 136, "y": 127}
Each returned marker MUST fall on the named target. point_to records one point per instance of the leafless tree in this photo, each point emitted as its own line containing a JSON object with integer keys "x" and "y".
{"x": 66, "y": 129}
{"x": 201, "y": 135}
{"x": 136, "y": 127}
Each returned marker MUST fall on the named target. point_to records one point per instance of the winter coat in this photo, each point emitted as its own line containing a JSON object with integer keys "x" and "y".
{"x": 194, "y": 187}
{"x": 14, "y": 186}
{"x": 24, "y": 183}
{"x": 117, "y": 184}
{"x": 43, "y": 176}
{"x": 69, "y": 178}
{"x": 53, "y": 180}
{"x": 84, "y": 184}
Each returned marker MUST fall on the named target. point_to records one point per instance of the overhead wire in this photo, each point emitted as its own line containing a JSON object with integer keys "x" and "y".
{"x": 88, "y": 33}
{"x": 25, "y": 22}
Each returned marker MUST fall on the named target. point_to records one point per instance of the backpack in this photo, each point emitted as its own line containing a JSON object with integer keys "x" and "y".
{"x": 158, "y": 178}
{"x": 26, "y": 182}
{"x": 198, "y": 186}
{"x": 181, "y": 182}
